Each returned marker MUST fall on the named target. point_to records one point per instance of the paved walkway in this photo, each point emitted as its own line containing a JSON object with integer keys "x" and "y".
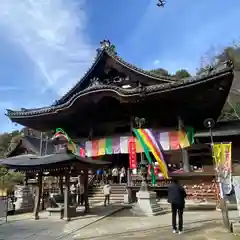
{"x": 124, "y": 225}
{"x": 195, "y": 232}
{"x": 121, "y": 225}
{"x": 50, "y": 227}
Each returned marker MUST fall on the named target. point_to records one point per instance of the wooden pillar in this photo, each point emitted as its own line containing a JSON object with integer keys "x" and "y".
{"x": 185, "y": 160}
{"x": 25, "y": 179}
{"x": 66, "y": 197}
{"x": 85, "y": 182}
{"x": 61, "y": 184}
{"x": 38, "y": 195}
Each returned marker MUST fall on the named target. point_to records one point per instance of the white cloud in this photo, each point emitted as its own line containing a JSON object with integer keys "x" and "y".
{"x": 52, "y": 33}
{"x": 9, "y": 88}
{"x": 156, "y": 62}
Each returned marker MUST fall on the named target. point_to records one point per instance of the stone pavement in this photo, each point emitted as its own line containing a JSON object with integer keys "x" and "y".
{"x": 123, "y": 225}
{"x": 22, "y": 226}
{"x": 195, "y": 232}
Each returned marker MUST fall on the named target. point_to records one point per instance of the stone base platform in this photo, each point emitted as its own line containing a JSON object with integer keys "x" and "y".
{"x": 236, "y": 227}
{"x": 147, "y": 205}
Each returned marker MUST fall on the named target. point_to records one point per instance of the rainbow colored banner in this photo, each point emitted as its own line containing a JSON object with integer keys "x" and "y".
{"x": 115, "y": 145}
{"x": 146, "y": 136}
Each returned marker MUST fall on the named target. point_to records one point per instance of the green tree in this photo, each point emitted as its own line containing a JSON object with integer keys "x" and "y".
{"x": 231, "y": 109}
{"x": 182, "y": 73}
{"x": 5, "y": 139}
{"x": 160, "y": 72}
{"x": 8, "y": 179}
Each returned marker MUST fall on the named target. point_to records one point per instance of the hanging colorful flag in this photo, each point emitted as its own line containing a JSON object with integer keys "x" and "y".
{"x": 190, "y": 134}
{"x": 95, "y": 148}
{"x": 153, "y": 136}
{"x": 81, "y": 150}
{"x": 88, "y": 148}
{"x": 153, "y": 147}
{"x": 109, "y": 149}
{"x": 147, "y": 153}
{"x": 174, "y": 140}
{"x": 101, "y": 147}
{"x": 139, "y": 148}
{"x": 157, "y": 151}
{"x": 183, "y": 139}
{"x": 116, "y": 145}
{"x": 164, "y": 140}
{"x": 124, "y": 144}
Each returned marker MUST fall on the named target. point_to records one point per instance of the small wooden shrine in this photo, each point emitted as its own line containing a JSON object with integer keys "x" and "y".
{"x": 60, "y": 164}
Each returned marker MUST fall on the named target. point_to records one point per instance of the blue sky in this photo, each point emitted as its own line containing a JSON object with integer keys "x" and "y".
{"x": 46, "y": 46}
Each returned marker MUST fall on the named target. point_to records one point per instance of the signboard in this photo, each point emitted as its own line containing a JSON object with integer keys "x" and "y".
{"x": 223, "y": 160}
{"x": 132, "y": 154}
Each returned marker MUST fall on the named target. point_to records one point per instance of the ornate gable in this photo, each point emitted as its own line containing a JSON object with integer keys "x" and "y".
{"x": 109, "y": 69}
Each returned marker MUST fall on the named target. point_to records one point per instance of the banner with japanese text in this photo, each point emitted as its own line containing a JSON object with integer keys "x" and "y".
{"x": 132, "y": 153}
{"x": 223, "y": 160}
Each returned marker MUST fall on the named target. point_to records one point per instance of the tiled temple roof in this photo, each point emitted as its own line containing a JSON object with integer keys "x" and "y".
{"x": 122, "y": 62}
{"x": 32, "y": 144}
{"x": 210, "y": 75}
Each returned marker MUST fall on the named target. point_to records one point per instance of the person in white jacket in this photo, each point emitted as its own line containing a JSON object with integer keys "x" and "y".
{"x": 115, "y": 175}
{"x": 107, "y": 192}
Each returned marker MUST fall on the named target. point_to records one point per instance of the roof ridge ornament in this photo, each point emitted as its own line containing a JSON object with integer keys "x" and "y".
{"x": 107, "y": 45}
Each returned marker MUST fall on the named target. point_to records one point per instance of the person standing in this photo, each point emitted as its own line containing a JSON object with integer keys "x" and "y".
{"x": 73, "y": 191}
{"x": 80, "y": 190}
{"x": 176, "y": 197}
{"x": 98, "y": 176}
{"x": 122, "y": 175}
{"x": 115, "y": 175}
{"x": 107, "y": 191}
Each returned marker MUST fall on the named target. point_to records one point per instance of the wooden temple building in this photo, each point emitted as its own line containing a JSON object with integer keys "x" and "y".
{"x": 29, "y": 145}
{"x": 100, "y": 111}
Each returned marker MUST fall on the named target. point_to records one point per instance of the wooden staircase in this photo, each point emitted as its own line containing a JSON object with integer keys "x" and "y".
{"x": 95, "y": 193}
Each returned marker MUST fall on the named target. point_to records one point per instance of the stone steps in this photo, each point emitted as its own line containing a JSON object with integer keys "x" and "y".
{"x": 117, "y": 195}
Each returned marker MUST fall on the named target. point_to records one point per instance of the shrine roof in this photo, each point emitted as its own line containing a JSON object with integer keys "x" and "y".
{"x": 120, "y": 92}
{"x": 32, "y": 144}
{"x": 107, "y": 52}
{"x": 34, "y": 162}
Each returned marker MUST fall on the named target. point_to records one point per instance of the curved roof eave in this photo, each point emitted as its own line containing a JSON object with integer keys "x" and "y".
{"x": 120, "y": 61}
{"x": 122, "y": 93}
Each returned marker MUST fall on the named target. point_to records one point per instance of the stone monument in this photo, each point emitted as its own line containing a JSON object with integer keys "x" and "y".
{"x": 146, "y": 200}
{"x": 24, "y": 198}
